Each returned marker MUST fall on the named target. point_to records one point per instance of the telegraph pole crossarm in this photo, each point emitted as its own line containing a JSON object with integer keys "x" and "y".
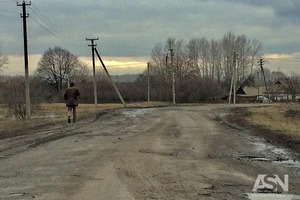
{"x": 24, "y": 15}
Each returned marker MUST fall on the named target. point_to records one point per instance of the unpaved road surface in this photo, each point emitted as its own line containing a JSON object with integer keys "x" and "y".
{"x": 159, "y": 153}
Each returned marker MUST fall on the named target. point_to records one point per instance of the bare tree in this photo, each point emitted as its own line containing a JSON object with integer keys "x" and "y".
{"x": 81, "y": 73}
{"x": 3, "y": 62}
{"x": 247, "y": 54}
{"x": 56, "y": 66}
{"x": 193, "y": 56}
{"x": 204, "y": 56}
{"x": 206, "y": 60}
{"x": 13, "y": 96}
{"x": 256, "y": 48}
{"x": 292, "y": 87}
{"x": 277, "y": 76}
{"x": 158, "y": 57}
{"x": 216, "y": 60}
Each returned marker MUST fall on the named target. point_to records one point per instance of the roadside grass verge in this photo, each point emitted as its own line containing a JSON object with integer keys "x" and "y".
{"x": 278, "y": 123}
{"x": 282, "y": 119}
{"x": 56, "y": 113}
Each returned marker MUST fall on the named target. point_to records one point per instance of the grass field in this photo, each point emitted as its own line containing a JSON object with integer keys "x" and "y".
{"x": 283, "y": 118}
{"x": 50, "y": 114}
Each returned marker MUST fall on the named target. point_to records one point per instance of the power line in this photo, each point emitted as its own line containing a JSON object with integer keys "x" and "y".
{"x": 55, "y": 34}
{"x": 44, "y": 27}
{"x": 48, "y": 22}
{"x": 51, "y": 28}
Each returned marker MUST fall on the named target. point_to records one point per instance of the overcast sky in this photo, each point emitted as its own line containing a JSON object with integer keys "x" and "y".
{"x": 130, "y": 28}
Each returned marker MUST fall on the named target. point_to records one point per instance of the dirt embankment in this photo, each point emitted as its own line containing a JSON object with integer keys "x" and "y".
{"x": 276, "y": 124}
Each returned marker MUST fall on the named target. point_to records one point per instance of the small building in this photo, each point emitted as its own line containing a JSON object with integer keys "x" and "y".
{"x": 251, "y": 94}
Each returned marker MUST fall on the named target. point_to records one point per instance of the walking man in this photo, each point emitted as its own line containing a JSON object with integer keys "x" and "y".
{"x": 71, "y": 96}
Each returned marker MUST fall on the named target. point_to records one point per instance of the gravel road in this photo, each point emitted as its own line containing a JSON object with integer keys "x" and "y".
{"x": 182, "y": 152}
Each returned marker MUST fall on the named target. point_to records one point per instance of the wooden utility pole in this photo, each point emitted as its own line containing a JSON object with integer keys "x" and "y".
{"x": 27, "y": 89}
{"x": 93, "y": 45}
{"x": 173, "y": 77}
{"x": 261, "y": 61}
{"x": 232, "y": 91}
{"x": 234, "y": 77}
{"x": 258, "y": 84}
{"x": 111, "y": 80}
{"x": 231, "y": 85}
{"x": 148, "y": 67}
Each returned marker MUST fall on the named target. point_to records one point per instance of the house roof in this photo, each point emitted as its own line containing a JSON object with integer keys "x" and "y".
{"x": 240, "y": 91}
{"x": 253, "y": 91}
{"x": 278, "y": 83}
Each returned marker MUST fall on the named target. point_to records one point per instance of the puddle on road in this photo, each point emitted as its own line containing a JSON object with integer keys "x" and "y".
{"x": 288, "y": 163}
{"x": 136, "y": 112}
{"x": 283, "y": 157}
{"x": 261, "y": 146}
{"x": 256, "y": 196}
{"x": 44, "y": 116}
{"x": 14, "y": 195}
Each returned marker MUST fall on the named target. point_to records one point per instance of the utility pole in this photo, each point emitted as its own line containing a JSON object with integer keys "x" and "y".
{"x": 232, "y": 90}
{"x": 68, "y": 80}
{"x": 234, "y": 77}
{"x": 93, "y": 45}
{"x": 261, "y": 62}
{"x": 148, "y": 67}
{"x": 258, "y": 83}
{"x": 173, "y": 77}
{"x": 27, "y": 89}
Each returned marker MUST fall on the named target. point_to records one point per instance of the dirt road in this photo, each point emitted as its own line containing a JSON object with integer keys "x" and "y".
{"x": 159, "y": 153}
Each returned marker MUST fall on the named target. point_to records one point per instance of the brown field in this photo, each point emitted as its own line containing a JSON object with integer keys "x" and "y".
{"x": 50, "y": 114}
{"x": 283, "y": 118}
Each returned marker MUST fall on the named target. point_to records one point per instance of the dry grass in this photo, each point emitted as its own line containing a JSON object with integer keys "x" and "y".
{"x": 277, "y": 118}
{"x": 50, "y": 114}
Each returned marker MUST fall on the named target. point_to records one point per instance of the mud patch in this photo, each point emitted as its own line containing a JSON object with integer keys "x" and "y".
{"x": 53, "y": 138}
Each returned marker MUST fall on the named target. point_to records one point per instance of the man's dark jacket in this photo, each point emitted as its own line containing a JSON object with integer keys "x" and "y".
{"x": 70, "y": 96}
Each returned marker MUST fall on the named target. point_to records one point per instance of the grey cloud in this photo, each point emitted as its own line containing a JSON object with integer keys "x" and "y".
{"x": 289, "y": 12}
{"x": 132, "y": 27}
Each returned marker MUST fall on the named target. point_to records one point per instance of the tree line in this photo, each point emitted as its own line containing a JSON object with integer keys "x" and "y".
{"x": 202, "y": 68}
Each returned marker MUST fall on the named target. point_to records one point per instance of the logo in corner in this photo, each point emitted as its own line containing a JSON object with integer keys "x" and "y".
{"x": 271, "y": 183}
